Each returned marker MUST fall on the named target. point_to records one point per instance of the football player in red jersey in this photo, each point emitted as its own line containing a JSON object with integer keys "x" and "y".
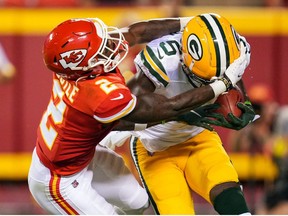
{"x": 88, "y": 98}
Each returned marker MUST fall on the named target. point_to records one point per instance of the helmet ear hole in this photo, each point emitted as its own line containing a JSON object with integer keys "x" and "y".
{"x": 209, "y": 45}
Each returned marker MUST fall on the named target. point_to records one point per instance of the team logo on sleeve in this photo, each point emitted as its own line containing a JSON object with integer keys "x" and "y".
{"x": 72, "y": 58}
{"x": 194, "y": 47}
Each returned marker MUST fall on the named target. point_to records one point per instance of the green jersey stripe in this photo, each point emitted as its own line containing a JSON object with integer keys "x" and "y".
{"x": 154, "y": 66}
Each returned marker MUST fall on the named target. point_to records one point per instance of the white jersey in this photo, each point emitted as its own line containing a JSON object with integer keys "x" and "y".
{"x": 161, "y": 63}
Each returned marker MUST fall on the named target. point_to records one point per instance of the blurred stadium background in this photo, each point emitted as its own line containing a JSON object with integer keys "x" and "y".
{"x": 24, "y": 24}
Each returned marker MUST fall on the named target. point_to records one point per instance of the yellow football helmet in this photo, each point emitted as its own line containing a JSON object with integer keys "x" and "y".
{"x": 209, "y": 45}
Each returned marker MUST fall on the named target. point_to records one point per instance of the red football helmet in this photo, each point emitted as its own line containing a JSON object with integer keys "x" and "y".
{"x": 81, "y": 47}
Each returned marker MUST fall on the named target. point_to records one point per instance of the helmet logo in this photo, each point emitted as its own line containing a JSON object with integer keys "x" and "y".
{"x": 72, "y": 58}
{"x": 194, "y": 47}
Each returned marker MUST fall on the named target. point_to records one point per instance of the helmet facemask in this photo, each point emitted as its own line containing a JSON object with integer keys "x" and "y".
{"x": 195, "y": 80}
{"x": 112, "y": 50}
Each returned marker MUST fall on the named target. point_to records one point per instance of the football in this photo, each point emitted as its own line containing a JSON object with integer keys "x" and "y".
{"x": 228, "y": 102}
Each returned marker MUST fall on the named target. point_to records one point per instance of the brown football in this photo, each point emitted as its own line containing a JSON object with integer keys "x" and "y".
{"x": 228, "y": 102}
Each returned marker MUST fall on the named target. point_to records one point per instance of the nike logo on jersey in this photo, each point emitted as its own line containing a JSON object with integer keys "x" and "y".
{"x": 121, "y": 96}
{"x": 159, "y": 55}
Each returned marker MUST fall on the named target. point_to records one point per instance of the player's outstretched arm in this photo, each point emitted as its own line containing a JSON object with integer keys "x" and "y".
{"x": 148, "y": 30}
{"x": 152, "y": 107}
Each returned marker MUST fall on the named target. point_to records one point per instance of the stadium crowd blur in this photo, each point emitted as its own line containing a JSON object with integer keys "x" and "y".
{"x": 266, "y": 139}
{"x": 267, "y": 136}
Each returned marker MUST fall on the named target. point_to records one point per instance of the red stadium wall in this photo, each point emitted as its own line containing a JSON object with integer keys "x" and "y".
{"x": 23, "y": 101}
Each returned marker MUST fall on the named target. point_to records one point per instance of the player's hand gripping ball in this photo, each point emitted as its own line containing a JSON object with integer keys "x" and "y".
{"x": 228, "y": 103}
{"x": 232, "y": 111}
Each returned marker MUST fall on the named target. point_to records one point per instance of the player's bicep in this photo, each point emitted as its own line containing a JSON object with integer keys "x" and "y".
{"x": 140, "y": 84}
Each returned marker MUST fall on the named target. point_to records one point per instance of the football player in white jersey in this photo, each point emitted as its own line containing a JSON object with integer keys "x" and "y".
{"x": 174, "y": 158}
{"x": 70, "y": 173}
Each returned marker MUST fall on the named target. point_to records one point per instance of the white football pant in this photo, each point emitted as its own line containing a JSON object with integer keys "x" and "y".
{"x": 105, "y": 187}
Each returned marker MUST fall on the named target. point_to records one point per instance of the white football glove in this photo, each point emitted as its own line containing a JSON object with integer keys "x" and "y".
{"x": 248, "y": 48}
{"x": 236, "y": 70}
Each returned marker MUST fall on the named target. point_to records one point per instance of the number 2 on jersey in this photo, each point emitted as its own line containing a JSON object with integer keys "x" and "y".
{"x": 54, "y": 114}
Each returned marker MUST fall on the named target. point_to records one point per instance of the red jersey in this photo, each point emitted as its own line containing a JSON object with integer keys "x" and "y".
{"x": 79, "y": 115}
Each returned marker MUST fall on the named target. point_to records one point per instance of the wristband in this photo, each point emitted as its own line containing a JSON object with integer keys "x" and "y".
{"x": 183, "y": 22}
{"x": 227, "y": 82}
{"x": 138, "y": 127}
{"x": 218, "y": 87}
